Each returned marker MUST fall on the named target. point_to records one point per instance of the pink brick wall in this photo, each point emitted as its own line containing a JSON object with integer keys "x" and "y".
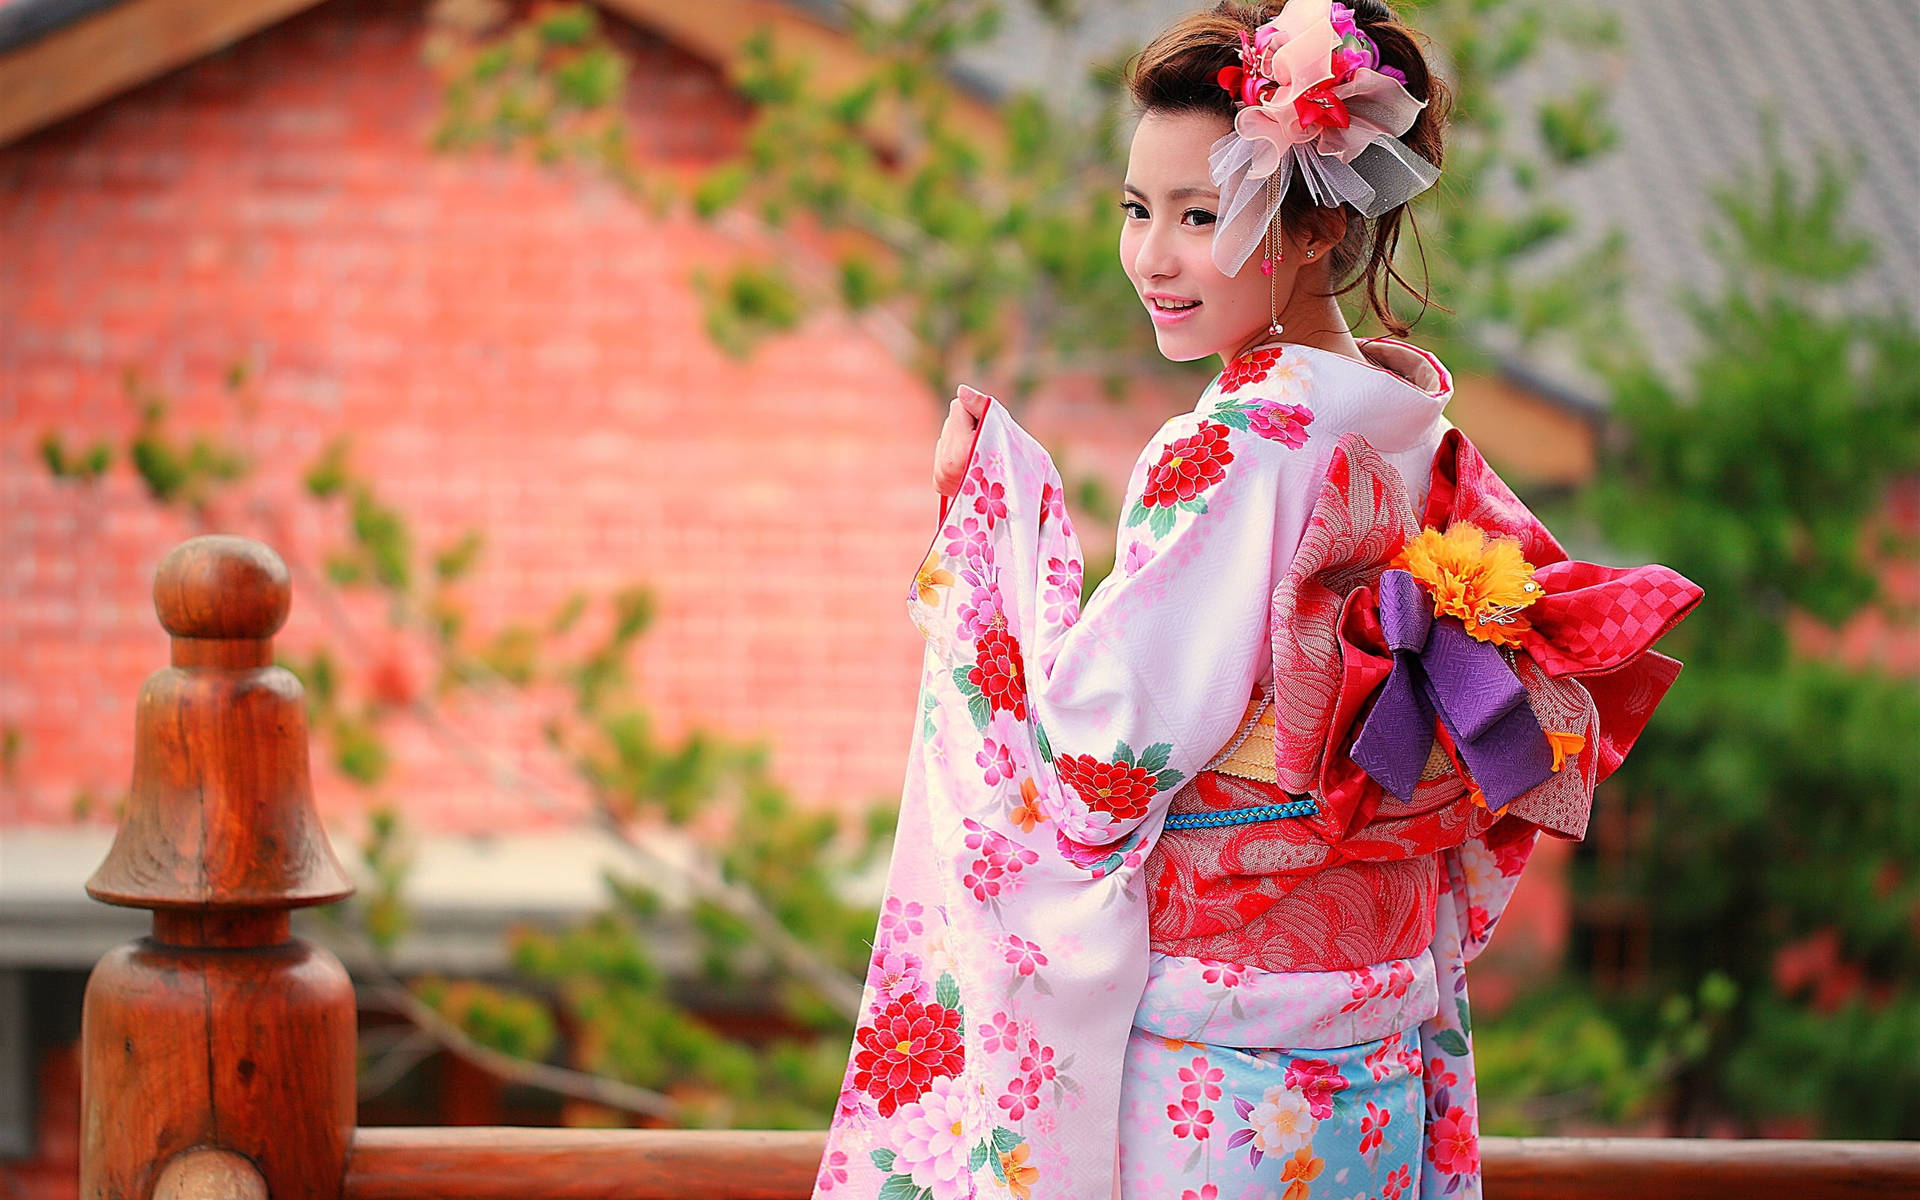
{"x": 508, "y": 348}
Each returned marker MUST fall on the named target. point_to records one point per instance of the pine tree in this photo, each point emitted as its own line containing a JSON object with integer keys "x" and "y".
{"x": 1784, "y": 802}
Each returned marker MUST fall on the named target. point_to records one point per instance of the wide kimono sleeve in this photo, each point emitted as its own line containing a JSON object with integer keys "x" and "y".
{"x": 1012, "y": 947}
{"x": 1126, "y": 697}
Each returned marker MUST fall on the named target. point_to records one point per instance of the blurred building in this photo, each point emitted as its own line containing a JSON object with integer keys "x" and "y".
{"x": 184, "y": 187}
{"x": 190, "y": 184}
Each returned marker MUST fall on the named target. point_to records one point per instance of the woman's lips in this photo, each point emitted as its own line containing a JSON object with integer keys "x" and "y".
{"x": 1163, "y": 316}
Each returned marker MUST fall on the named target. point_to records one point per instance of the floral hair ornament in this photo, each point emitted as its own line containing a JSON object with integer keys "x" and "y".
{"x": 1315, "y": 102}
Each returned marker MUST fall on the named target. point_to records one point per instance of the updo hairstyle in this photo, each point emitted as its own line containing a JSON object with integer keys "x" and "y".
{"x": 1178, "y": 73}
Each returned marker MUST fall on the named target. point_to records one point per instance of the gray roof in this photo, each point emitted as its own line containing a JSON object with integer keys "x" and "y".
{"x": 23, "y": 21}
{"x": 1690, "y": 92}
{"x": 1688, "y": 87}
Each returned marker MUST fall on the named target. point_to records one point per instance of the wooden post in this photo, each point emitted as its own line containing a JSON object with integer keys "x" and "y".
{"x": 220, "y": 1044}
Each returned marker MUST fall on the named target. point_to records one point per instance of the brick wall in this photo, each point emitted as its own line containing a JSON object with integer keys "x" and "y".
{"x": 510, "y": 349}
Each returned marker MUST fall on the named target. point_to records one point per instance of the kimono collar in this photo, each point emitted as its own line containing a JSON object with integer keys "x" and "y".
{"x": 1393, "y": 399}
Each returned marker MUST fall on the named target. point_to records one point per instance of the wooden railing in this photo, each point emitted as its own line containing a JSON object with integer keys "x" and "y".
{"x": 217, "y": 1055}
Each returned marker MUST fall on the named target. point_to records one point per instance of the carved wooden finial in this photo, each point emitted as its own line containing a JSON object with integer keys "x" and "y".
{"x": 222, "y": 587}
{"x": 218, "y": 1053}
{"x": 220, "y": 818}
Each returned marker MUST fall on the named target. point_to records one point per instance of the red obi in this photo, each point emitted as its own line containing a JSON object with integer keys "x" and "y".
{"x": 1278, "y": 896}
{"x": 1244, "y": 893}
{"x": 1354, "y": 882}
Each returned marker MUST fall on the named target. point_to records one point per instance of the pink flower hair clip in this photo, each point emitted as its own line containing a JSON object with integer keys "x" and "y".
{"x": 1315, "y": 102}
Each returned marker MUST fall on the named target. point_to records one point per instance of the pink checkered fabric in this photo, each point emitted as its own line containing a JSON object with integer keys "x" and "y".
{"x": 1595, "y": 619}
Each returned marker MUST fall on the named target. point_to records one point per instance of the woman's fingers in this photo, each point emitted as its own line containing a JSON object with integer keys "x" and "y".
{"x": 956, "y": 442}
{"x": 964, "y": 414}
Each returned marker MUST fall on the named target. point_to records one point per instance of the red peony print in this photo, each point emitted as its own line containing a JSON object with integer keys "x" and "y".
{"x": 1317, "y": 1080}
{"x": 909, "y": 1044}
{"x": 999, "y": 673}
{"x": 1121, "y": 790}
{"x": 1249, "y": 368}
{"x": 1455, "y": 1148}
{"x": 1188, "y": 466}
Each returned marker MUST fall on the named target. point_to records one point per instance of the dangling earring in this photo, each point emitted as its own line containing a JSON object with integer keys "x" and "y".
{"x": 1276, "y": 253}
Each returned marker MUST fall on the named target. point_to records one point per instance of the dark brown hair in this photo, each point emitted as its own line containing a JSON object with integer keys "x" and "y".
{"x": 1178, "y": 72}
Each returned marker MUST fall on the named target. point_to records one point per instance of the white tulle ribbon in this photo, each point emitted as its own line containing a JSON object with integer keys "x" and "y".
{"x": 1359, "y": 161}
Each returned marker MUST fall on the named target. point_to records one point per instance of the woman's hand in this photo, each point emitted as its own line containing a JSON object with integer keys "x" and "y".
{"x": 956, "y": 439}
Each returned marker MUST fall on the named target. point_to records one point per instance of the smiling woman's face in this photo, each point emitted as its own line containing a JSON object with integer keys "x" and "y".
{"x": 1166, "y": 244}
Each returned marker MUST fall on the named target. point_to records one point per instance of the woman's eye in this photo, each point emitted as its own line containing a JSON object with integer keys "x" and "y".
{"x": 1199, "y": 216}
{"x": 1134, "y": 209}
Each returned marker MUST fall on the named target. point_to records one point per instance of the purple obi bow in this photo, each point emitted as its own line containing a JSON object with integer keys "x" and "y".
{"x": 1438, "y": 669}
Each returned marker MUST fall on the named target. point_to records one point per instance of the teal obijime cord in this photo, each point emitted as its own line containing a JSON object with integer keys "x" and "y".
{"x": 1304, "y": 807}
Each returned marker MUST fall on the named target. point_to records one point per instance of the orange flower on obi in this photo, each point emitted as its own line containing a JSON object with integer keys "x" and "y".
{"x": 1484, "y": 581}
{"x": 930, "y": 576}
{"x": 1565, "y": 745}
{"x": 1020, "y": 1177}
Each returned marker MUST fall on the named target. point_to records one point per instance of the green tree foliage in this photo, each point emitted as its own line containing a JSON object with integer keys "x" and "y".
{"x": 987, "y": 251}
{"x": 1493, "y": 214}
{"x": 757, "y": 890}
{"x": 1785, "y": 800}
{"x": 745, "y": 889}
{"x": 994, "y": 251}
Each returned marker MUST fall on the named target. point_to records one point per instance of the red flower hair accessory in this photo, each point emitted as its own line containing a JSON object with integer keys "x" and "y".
{"x": 1314, "y": 102}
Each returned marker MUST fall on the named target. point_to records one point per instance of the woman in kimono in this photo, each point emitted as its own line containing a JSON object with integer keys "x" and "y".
{"x": 1187, "y": 875}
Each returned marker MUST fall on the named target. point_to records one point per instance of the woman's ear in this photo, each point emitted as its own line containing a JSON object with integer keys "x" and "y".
{"x": 1325, "y": 229}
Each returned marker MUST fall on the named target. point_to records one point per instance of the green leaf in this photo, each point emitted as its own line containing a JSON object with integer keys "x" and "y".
{"x": 966, "y": 685}
{"x": 981, "y": 1156}
{"x": 980, "y": 709}
{"x": 1196, "y": 505}
{"x": 1466, "y": 1022}
{"x": 1160, "y": 521}
{"x": 1576, "y": 128}
{"x": 1123, "y": 753}
{"x": 946, "y": 992}
{"x": 456, "y": 560}
{"x": 1046, "y": 747}
{"x": 883, "y": 1159}
{"x": 1451, "y": 1041}
{"x": 1138, "y": 513}
{"x": 1167, "y": 780}
{"x": 1006, "y": 1140}
{"x": 901, "y": 1187}
{"x": 1153, "y": 759}
{"x": 1235, "y": 416}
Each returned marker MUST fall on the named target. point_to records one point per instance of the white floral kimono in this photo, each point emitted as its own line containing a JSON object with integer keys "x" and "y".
{"x": 1011, "y": 964}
